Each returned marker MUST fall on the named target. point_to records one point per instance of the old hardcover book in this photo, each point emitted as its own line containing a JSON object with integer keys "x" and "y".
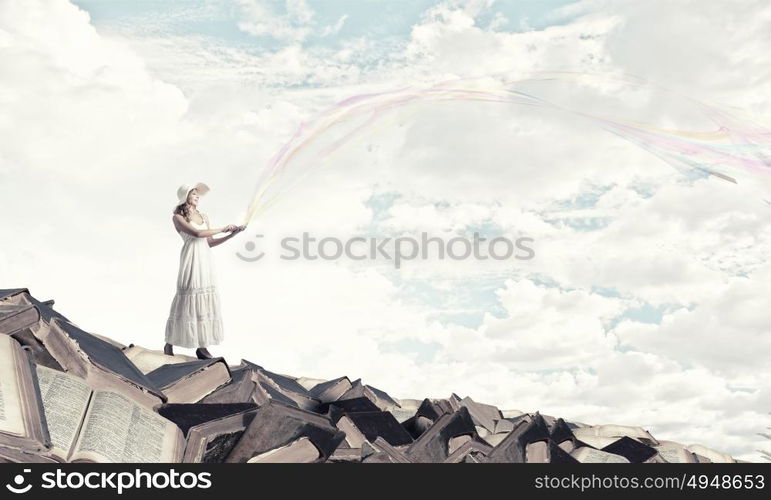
{"x": 331, "y": 390}
{"x": 406, "y": 410}
{"x": 21, "y": 296}
{"x": 710, "y": 454}
{"x": 190, "y": 381}
{"x": 33, "y": 334}
{"x": 518, "y": 444}
{"x": 345, "y": 454}
{"x": 286, "y": 386}
{"x": 19, "y": 456}
{"x": 632, "y": 450}
{"x": 395, "y": 455}
{"x": 300, "y": 451}
{"x": 417, "y": 425}
{"x": 98, "y": 362}
{"x": 560, "y": 433}
{"x": 240, "y": 389}
{"x": 482, "y": 414}
{"x": 368, "y": 426}
{"x": 22, "y": 419}
{"x": 470, "y": 446}
{"x": 441, "y": 439}
{"x": 38, "y": 352}
{"x": 381, "y": 399}
{"x": 600, "y": 436}
{"x": 17, "y": 317}
{"x": 90, "y": 425}
{"x": 337, "y": 409}
{"x": 211, "y": 430}
{"x": 557, "y": 455}
{"x": 675, "y": 453}
{"x": 148, "y": 360}
{"x": 21, "y": 326}
{"x": 276, "y": 425}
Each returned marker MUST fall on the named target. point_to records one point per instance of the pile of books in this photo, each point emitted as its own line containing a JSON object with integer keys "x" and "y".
{"x": 67, "y": 395}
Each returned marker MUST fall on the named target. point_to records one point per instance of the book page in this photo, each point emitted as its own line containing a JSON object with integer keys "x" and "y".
{"x": 11, "y": 416}
{"x": 147, "y": 360}
{"x": 591, "y": 456}
{"x": 65, "y": 399}
{"x": 673, "y": 455}
{"x": 118, "y": 430}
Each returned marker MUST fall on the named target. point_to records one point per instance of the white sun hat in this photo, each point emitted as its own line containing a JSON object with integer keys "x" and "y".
{"x": 185, "y": 189}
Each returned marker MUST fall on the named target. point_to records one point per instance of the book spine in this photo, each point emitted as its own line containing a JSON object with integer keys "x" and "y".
{"x": 45, "y": 438}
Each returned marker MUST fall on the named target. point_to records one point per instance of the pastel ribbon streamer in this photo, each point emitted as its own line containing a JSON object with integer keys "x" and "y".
{"x": 733, "y": 144}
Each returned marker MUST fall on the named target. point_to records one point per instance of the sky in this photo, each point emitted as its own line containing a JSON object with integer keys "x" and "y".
{"x": 646, "y": 300}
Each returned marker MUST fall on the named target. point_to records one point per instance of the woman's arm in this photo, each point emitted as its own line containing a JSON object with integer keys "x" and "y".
{"x": 213, "y": 242}
{"x": 182, "y": 225}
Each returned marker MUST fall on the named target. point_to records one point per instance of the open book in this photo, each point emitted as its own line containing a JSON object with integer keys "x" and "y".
{"x": 103, "y": 425}
{"x": 148, "y": 360}
{"x": 97, "y": 361}
{"x": 22, "y": 420}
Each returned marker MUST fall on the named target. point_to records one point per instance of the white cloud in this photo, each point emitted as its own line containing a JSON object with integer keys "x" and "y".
{"x": 335, "y": 28}
{"x": 294, "y": 26}
{"x": 259, "y": 19}
{"x": 698, "y": 46}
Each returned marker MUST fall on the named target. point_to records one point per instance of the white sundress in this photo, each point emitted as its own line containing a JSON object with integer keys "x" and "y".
{"x": 195, "y": 319}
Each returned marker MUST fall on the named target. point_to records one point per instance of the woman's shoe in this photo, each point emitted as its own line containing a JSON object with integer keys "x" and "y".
{"x": 203, "y": 353}
{"x": 168, "y": 350}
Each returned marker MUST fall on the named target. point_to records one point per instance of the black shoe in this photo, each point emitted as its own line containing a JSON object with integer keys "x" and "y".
{"x": 202, "y": 355}
{"x": 168, "y": 350}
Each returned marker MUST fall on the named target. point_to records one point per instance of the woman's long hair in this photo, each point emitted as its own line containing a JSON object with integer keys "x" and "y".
{"x": 183, "y": 210}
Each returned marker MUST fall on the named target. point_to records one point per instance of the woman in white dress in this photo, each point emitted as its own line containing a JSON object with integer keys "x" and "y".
{"x": 195, "y": 320}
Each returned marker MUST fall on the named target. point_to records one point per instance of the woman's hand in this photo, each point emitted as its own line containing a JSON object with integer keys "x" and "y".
{"x": 230, "y": 228}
